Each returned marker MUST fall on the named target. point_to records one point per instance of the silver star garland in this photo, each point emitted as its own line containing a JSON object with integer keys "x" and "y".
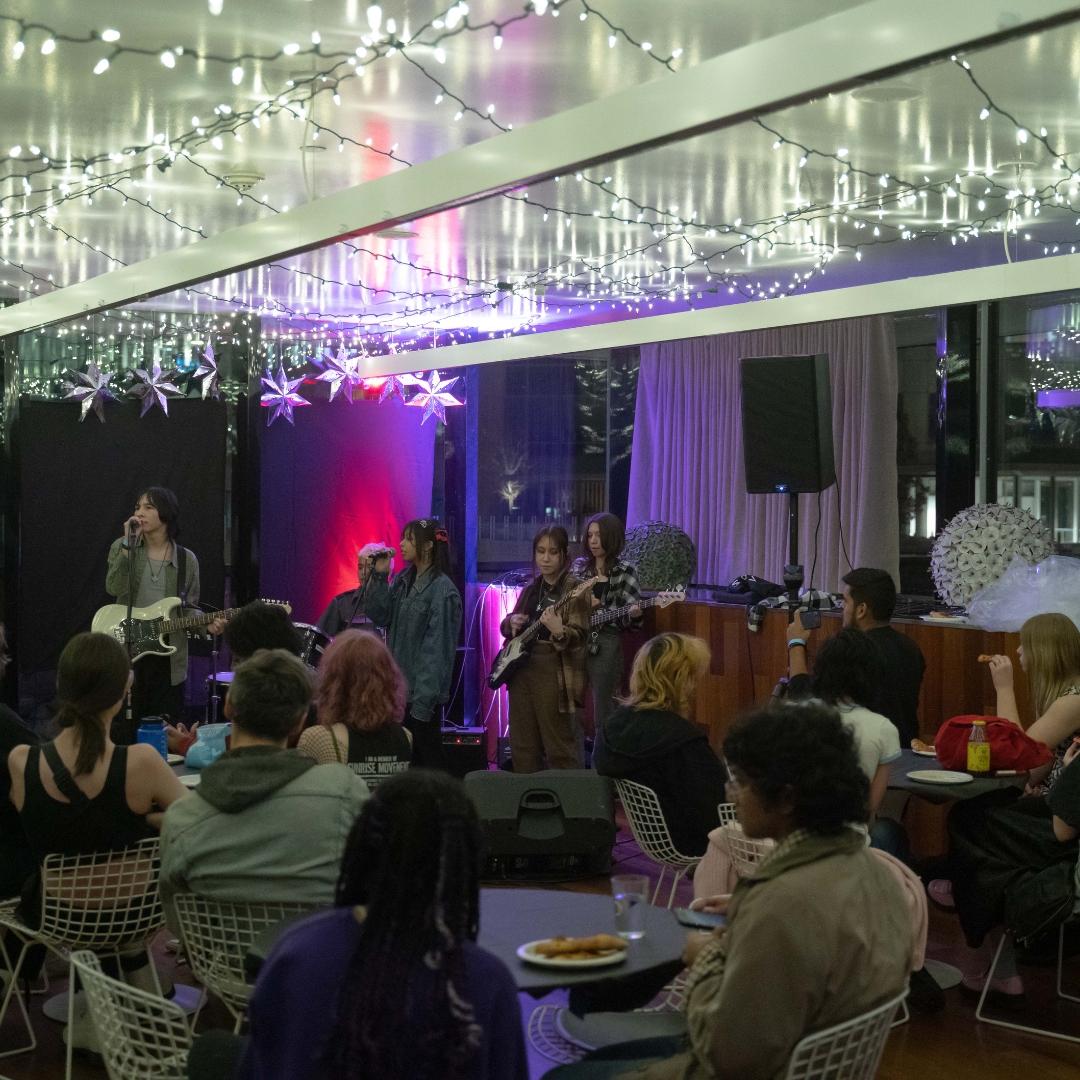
{"x": 208, "y": 372}
{"x": 281, "y": 397}
{"x": 434, "y": 396}
{"x": 153, "y": 386}
{"x": 392, "y": 384}
{"x": 91, "y": 387}
{"x": 342, "y": 372}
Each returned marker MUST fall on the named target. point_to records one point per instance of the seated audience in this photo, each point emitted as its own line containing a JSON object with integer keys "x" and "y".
{"x": 846, "y": 674}
{"x": 391, "y": 983}
{"x": 1000, "y": 841}
{"x": 265, "y": 823}
{"x": 652, "y": 741}
{"x": 361, "y": 703}
{"x": 869, "y": 602}
{"x": 80, "y": 793}
{"x": 820, "y": 934}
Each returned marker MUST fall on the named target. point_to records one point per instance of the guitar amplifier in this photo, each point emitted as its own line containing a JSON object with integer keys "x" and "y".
{"x": 558, "y": 822}
{"x": 464, "y": 750}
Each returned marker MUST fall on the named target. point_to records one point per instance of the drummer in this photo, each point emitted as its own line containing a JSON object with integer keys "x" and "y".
{"x": 346, "y": 610}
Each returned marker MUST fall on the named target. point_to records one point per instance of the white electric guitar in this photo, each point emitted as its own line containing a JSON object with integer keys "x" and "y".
{"x": 150, "y": 625}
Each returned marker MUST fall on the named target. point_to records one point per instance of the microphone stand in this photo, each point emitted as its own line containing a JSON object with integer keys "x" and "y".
{"x": 361, "y": 591}
{"x": 129, "y": 536}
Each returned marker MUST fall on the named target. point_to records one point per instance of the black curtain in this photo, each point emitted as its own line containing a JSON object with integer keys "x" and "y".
{"x": 78, "y": 485}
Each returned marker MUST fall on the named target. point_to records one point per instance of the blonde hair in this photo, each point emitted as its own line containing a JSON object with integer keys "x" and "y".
{"x": 665, "y": 672}
{"x": 1051, "y": 645}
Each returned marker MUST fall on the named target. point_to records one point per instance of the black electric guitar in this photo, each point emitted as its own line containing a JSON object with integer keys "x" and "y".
{"x": 602, "y": 616}
{"x": 516, "y": 651}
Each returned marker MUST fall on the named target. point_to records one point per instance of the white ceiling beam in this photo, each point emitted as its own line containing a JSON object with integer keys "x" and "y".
{"x": 876, "y": 39}
{"x": 1045, "y": 275}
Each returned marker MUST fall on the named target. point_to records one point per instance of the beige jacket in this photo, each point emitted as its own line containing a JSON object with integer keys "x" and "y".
{"x": 820, "y": 935}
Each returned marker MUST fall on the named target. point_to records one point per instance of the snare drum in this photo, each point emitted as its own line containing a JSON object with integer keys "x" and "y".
{"x": 313, "y": 642}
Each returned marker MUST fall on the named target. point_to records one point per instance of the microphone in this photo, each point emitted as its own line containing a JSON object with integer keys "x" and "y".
{"x": 133, "y": 524}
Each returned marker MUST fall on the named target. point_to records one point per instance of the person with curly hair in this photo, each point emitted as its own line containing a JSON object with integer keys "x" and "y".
{"x": 818, "y": 935}
{"x": 361, "y": 701}
{"x": 390, "y": 983}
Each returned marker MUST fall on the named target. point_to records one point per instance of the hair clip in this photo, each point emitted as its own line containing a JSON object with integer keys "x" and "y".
{"x": 443, "y": 535}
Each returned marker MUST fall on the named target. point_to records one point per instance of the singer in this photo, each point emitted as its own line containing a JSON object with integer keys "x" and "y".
{"x": 346, "y": 608}
{"x": 146, "y": 565}
{"x": 421, "y": 612}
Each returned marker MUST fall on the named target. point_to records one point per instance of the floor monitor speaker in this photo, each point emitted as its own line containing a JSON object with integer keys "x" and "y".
{"x": 787, "y": 424}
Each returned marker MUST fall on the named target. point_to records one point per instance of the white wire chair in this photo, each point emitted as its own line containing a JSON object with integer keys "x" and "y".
{"x": 142, "y": 1037}
{"x": 218, "y": 934}
{"x": 746, "y": 854}
{"x": 1060, "y": 993}
{"x": 651, "y": 833}
{"x": 726, "y": 812}
{"x": 106, "y": 902}
{"x": 849, "y": 1051}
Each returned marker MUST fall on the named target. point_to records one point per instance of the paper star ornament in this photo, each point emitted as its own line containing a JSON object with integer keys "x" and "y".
{"x": 342, "y": 372}
{"x": 433, "y": 396}
{"x": 281, "y": 397}
{"x": 153, "y": 386}
{"x": 91, "y": 387}
{"x": 208, "y": 372}
{"x": 391, "y": 385}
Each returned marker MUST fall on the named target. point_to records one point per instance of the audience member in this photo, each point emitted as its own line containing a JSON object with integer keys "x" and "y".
{"x": 265, "y": 823}
{"x": 869, "y": 603}
{"x": 820, "y": 934}
{"x": 652, "y": 740}
{"x": 847, "y": 672}
{"x": 390, "y": 983}
{"x": 361, "y": 701}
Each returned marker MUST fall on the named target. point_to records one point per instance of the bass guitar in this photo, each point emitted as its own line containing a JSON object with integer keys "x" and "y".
{"x": 516, "y": 651}
{"x": 603, "y": 616}
{"x": 150, "y": 625}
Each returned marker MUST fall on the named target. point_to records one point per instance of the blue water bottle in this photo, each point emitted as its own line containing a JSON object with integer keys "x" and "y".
{"x": 152, "y": 731}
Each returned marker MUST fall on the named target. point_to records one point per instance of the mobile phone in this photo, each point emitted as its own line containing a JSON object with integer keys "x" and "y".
{"x": 811, "y": 618}
{"x": 700, "y": 920}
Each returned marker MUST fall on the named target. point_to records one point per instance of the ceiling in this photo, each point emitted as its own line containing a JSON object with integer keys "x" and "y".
{"x": 723, "y": 218}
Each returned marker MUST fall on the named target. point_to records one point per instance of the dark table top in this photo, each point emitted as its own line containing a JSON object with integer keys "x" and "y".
{"x": 909, "y": 761}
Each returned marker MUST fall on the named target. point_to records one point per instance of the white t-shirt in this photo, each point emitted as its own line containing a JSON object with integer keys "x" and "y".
{"x": 877, "y": 741}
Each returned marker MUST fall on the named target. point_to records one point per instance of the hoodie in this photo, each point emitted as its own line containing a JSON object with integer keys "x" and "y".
{"x": 666, "y": 752}
{"x": 264, "y": 824}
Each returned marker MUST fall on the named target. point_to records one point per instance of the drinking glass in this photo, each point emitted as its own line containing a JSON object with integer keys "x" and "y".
{"x": 630, "y": 893}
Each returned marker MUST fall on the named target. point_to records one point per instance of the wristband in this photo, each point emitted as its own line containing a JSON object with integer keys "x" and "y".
{"x": 796, "y": 641}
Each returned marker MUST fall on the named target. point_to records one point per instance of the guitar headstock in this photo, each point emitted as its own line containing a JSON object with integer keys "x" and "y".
{"x": 279, "y": 603}
{"x": 665, "y": 599}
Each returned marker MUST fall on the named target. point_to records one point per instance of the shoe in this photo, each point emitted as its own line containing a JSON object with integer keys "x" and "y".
{"x": 924, "y": 995}
{"x": 940, "y": 890}
{"x": 1008, "y": 991}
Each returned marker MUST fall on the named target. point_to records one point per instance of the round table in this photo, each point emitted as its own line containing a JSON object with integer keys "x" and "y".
{"x": 511, "y": 917}
{"x": 909, "y": 761}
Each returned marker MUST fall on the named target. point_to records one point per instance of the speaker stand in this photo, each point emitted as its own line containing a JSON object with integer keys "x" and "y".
{"x": 793, "y": 572}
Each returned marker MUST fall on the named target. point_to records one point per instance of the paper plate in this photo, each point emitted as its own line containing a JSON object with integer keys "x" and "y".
{"x": 948, "y": 620}
{"x": 175, "y": 759}
{"x": 940, "y": 776}
{"x": 526, "y": 953}
{"x": 190, "y": 780}
{"x": 925, "y": 753}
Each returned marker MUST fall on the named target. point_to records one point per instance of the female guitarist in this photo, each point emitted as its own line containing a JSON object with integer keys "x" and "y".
{"x": 614, "y": 586}
{"x": 545, "y": 691}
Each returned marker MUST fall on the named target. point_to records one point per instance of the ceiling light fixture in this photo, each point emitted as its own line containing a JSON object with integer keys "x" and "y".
{"x": 48, "y": 46}
{"x": 168, "y": 58}
{"x": 110, "y": 35}
{"x": 215, "y": 6}
{"x": 101, "y": 66}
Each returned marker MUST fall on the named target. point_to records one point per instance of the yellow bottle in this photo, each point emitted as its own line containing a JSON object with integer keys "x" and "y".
{"x": 978, "y": 749}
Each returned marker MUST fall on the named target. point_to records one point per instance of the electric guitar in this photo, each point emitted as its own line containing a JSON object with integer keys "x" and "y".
{"x": 602, "y": 616}
{"x": 516, "y": 650}
{"x": 149, "y": 625}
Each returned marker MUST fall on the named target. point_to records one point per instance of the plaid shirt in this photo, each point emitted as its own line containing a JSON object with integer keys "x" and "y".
{"x": 622, "y": 589}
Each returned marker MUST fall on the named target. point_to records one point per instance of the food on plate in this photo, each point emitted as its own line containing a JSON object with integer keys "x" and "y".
{"x": 940, "y": 615}
{"x": 571, "y": 948}
{"x": 921, "y": 747}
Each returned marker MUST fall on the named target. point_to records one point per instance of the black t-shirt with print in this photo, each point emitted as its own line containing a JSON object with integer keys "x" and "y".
{"x": 1064, "y": 799}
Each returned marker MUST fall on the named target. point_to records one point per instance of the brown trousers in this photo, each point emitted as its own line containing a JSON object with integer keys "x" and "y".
{"x": 538, "y": 728}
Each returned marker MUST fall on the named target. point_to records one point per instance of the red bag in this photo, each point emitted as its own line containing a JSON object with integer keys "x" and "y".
{"x": 1010, "y": 746}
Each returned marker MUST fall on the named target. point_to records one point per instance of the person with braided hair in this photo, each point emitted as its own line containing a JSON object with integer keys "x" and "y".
{"x": 390, "y": 984}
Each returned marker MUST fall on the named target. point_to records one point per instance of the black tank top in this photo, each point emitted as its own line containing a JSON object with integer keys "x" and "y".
{"x": 377, "y": 755}
{"x": 107, "y": 823}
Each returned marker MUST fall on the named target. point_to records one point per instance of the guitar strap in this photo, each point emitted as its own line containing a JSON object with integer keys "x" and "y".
{"x": 181, "y": 574}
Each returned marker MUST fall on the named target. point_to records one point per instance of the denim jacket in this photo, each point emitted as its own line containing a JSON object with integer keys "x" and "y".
{"x": 423, "y": 625}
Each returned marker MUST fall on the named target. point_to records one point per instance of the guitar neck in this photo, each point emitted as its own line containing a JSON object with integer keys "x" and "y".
{"x": 534, "y": 628}
{"x": 607, "y": 615}
{"x": 189, "y": 622}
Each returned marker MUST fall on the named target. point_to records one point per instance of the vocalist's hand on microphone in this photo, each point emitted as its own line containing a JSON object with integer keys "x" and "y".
{"x": 382, "y": 563}
{"x": 132, "y": 532}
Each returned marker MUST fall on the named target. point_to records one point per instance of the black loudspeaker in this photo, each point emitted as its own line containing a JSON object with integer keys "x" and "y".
{"x": 787, "y": 423}
{"x": 464, "y": 750}
{"x": 559, "y": 822}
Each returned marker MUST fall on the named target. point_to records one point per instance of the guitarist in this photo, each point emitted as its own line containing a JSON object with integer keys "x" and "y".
{"x": 614, "y": 585}
{"x": 545, "y": 692}
{"x": 148, "y": 559}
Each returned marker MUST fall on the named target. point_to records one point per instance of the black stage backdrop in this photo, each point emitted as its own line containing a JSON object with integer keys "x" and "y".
{"x": 79, "y": 482}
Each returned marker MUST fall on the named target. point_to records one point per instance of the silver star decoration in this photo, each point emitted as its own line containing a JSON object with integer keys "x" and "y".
{"x": 208, "y": 372}
{"x": 393, "y": 384}
{"x": 342, "y": 372}
{"x": 153, "y": 386}
{"x": 91, "y": 388}
{"x": 281, "y": 396}
{"x": 433, "y": 396}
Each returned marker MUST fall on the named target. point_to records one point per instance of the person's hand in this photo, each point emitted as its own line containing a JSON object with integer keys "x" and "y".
{"x": 128, "y": 537}
{"x": 714, "y": 905}
{"x": 1001, "y": 671}
{"x": 796, "y": 629}
{"x": 1073, "y": 750}
{"x": 635, "y": 611}
{"x": 696, "y": 940}
{"x": 595, "y": 601}
{"x": 518, "y": 621}
{"x": 553, "y": 621}
{"x": 176, "y": 735}
{"x": 382, "y": 564}
{"x": 216, "y": 627}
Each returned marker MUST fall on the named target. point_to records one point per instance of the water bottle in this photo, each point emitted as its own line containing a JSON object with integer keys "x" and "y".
{"x": 978, "y": 749}
{"x": 152, "y": 731}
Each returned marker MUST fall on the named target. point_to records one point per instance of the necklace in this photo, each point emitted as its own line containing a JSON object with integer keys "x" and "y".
{"x": 160, "y": 565}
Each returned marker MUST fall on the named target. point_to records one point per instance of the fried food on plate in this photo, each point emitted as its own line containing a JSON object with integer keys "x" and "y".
{"x": 572, "y": 948}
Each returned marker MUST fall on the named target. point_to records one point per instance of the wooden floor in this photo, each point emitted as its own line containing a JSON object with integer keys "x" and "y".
{"x": 948, "y": 1046}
